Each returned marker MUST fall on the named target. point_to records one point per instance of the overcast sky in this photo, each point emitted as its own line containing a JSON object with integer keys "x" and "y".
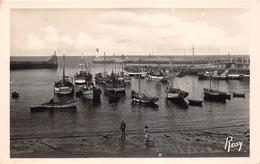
{"x": 135, "y": 31}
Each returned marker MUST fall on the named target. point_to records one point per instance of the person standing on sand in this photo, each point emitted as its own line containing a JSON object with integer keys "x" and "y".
{"x": 122, "y": 127}
{"x": 146, "y": 134}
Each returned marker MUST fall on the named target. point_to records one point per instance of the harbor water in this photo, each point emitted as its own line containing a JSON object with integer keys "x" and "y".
{"x": 35, "y": 86}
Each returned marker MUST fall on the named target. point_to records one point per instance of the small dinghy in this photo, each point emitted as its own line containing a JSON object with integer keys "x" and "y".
{"x": 195, "y": 102}
{"x": 238, "y": 94}
{"x": 15, "y": 94}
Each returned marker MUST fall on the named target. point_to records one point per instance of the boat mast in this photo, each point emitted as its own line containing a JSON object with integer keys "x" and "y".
{"x": 193, "y": 55}
{"x": 122, "y": 65}
{"x": 104, "y": 61}
{"x": 172, "y": 70}
{"x": 210, "y": 76}
{"x": 63, "y": 76}
{"x": 82, "y": 62}
{"x": 115, "y": 63}
{"x": 139, "y": 83}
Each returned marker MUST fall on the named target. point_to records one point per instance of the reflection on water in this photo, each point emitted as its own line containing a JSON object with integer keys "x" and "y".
{"x": 36, "y": 87}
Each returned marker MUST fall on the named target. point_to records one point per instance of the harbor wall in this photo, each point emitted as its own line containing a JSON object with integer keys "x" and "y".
{"x": 50, "y": 63}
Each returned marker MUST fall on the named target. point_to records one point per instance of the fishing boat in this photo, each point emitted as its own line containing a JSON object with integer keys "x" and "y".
{"x": 54, "y": 105}
{"x": 157, "y": 75}
{"x": 89, "y": 91}
{"x": 175, "y": 93}
{"x": 114, "y": 84}
{"x": 84, "y": 73}
{"x": 216, "y": 75}
{"x": 122, "y": 75}
{"x": 214, "y": 95}
{"x": 142, "y": 97}
{"x": 195, "y": 102}
{"x": 63, "y": 86}
{"x": 15, "y": 94}
{"x": 235, "y": 94}
{"x": 102, "y": 77}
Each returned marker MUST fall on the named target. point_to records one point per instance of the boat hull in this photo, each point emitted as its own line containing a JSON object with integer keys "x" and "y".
{"x": 137, "y": 73}
{"x": 79, "y": 81}
{"x": 174, "y": 93}
{"x": 63, "y": 90}
{"x": 195, "y": 102}
{"x": 142, "y": 98}
{"x": 213, "y": 96}
{"x": 238, "y": 94}
{"x": 61, "y": 105}
{"x": 235, "y": 76}
{"x": 88, "y": 94}
{"x": 158, "y": 78}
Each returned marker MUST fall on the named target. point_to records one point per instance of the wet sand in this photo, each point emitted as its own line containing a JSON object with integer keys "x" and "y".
{"x": 205, "y": 143}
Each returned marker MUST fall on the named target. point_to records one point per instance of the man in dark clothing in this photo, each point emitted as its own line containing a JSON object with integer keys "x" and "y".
{"x": 122, "y": 127}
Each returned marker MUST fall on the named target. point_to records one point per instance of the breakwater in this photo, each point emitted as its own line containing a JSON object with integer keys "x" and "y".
{"x": 50, "y": 63}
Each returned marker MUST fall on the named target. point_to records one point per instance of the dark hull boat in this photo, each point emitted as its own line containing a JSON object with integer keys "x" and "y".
{"x": 238, "y": 94}
{"x": 15, "y": 94}
{"x": 175, "y": 93}
{"x": 113, "y": 96}
{"x": 213, "y": 95}
{"x": 195, "y": 102}
{"x": 54, "y": 105}
{"x": 142, "y": 97}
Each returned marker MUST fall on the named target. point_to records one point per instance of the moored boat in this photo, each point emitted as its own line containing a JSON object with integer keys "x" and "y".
{"x": 114, "y": 84}
{"x": 63, "y": 86}
{"x": 215, "y": 75}
{"x": 161, "y": 78}
{"x": 102, "y": 77}
{"x": 195, "y": 102}
{"x": 235, "y": 94}
{"x": 15, "y": 94}
{"x": 142, "y": 97}
{"x": 84, "y": 73}
{"x": 175, "y": 93}
{"x": 54, "y": 105}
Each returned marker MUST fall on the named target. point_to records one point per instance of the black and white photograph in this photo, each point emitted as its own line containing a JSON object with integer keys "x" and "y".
{"x": 153, "y": 80}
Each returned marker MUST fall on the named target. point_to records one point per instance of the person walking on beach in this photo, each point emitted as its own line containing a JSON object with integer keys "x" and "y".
{"x": 122, "y": 127}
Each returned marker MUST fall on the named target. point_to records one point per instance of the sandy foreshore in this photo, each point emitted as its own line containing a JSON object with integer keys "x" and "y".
{"x": 205, "y": 143}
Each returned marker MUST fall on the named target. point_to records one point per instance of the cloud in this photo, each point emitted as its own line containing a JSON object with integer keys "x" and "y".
{"x": 140, "y": 33}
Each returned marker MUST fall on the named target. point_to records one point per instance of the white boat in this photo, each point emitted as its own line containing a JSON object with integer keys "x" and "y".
{"x": 157, "y": 75}
{"x": 161, "y": 78}
{"x": 143, "y": 74}
{"x": 84, "y": 74}
{"x": 113, "y": 83}
{"x": 88, "y": 91}
{"x": 64, "y": 86}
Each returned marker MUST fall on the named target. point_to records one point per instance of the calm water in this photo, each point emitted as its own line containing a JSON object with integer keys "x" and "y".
{"x": 36, "y": 86}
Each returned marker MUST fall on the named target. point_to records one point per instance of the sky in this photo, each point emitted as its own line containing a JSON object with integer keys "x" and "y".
{"x": 129, "y": 31}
